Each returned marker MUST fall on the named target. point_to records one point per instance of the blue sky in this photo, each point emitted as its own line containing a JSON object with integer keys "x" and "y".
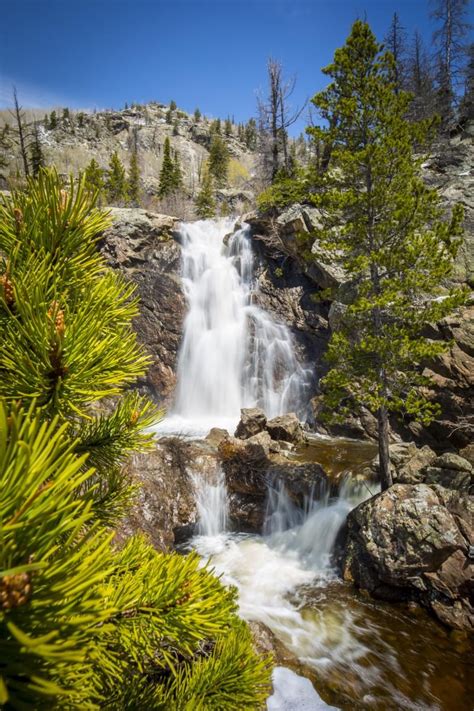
{"x": 206, "y": 53}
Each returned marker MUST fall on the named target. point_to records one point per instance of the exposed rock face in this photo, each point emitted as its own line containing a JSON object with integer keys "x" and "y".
{"x": 286, "y": 428}
{"x": 165, "y": 508}
{"x": 252, "y": 421}
{"x": 250, "y": 467}
{"x": 144, "y": 247}
{"x": 74, "y": 141}
{"x": 412, "y": 542}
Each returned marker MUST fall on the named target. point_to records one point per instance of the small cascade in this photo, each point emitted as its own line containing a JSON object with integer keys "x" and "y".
{"x": 211, "y": 503}
{"x": 311, "y": 532}
{"x": 233, "y": 353}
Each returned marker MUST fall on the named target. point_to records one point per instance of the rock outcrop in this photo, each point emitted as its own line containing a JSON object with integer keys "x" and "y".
{"x": 254, "y": 462}
{"x": 144, "y": 247}
{"x": 165, "y": 507}
{"x": 415, "y": 541}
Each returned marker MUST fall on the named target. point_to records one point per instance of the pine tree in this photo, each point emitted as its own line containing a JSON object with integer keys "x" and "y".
{"x": 82, "y": 623}
{"x": 168, "y": 172}
{"x": 94, "y": 181}
{"x": 205, "y": 202}
{"x": 218, "y": 160}
{"x": 228, "y": 127}
{"x": 81, "y": 119}
{"x": 384, "y": 225}
{"x": 250, "y": 134}
{"x": 66, "y": 115}
{"x": 36, "y": 153}
{"x": 116, "y": 182}
{"x": 173, "y": 106}
{"x": 134, "y": 180}
{"x": 177, "y": 173}
{"x": 53, "y": 120}
{"x": 197, "y": 115}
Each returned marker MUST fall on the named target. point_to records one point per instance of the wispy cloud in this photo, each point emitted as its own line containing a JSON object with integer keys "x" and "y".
{"x": 31, "y": 97}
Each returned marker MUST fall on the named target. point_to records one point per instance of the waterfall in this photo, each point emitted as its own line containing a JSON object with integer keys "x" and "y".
{"x": 233, "y": 354}
{"x": 311, "y": 532}
{"x": 211, "y": 503}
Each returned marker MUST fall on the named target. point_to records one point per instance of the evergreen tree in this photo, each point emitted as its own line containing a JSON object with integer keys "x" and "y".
{"x": 384, "y": 225}
{"x": 94, "y": 179}
{"x": 250, "y": 134}
{"x": 169, "y": 116}
{"x": 116, "y": 182}
{"x": 218, "y": 160}
{"x": 175, "y": 128}
{"x": 66, "y": 115}
{"x": 173, "y": 106}
{"x": 84, "y": 624}
{"x": 36, "y": 153}
{"x": 81, "y": 119}
{"x": 205, "y": 202}
{"x": 134, "y": 179}
{"x": 53, "y": 120}
{"x": 177, "y": 173}
{"x": 228, "y": 127}
{"x": 197, "y": 115}
{"x": 168, "y": 176}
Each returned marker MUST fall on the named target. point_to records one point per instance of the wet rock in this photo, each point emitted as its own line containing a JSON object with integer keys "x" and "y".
{"x": 246, "y": 512}
{"x": 410, "y": 543}
{"x": 287, "y": 428}
{"x": 302, "y": 481}
{"x": 141, "y": 245}
{"x": 165, "y": 507}
{"x": 216, "y": 435}
{"x": 252, "y": 421}
{"x": 245, "y": 463}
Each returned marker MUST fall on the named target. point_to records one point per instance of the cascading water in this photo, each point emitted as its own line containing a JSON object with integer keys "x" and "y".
{"x": 233, "y": 354}
{"x": 211, "y": 503}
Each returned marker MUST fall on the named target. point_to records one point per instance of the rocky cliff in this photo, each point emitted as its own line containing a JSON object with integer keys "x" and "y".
{"x": 74, "y": 140}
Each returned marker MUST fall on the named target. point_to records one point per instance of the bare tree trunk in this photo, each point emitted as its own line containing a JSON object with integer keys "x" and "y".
{"x": 384, "y": 458}
{"x": 21, "y": 134}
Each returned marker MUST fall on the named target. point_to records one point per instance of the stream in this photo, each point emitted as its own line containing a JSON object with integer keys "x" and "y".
{"x": 350, "y": 652}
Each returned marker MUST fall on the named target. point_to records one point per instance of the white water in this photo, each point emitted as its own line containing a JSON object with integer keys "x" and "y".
{"x": 269, "y": 570}
{"x": 233, "y": 353}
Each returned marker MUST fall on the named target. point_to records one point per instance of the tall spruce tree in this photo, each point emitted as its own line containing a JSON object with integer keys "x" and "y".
{"x": 168, "y": 173}
{"x": 83, "y": 624}
{"x": 36, "y": 152}
{"x": 116, "y": 181}
{"x": 218, "y": 160}
{"x": 94, "y": 180}
{"x": 205, "y": 201}
{"x": 134, "y": 190}
{"x": 385, "y": 227}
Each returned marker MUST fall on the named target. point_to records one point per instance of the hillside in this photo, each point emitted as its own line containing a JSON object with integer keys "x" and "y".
{"x": 71, "y": 139}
